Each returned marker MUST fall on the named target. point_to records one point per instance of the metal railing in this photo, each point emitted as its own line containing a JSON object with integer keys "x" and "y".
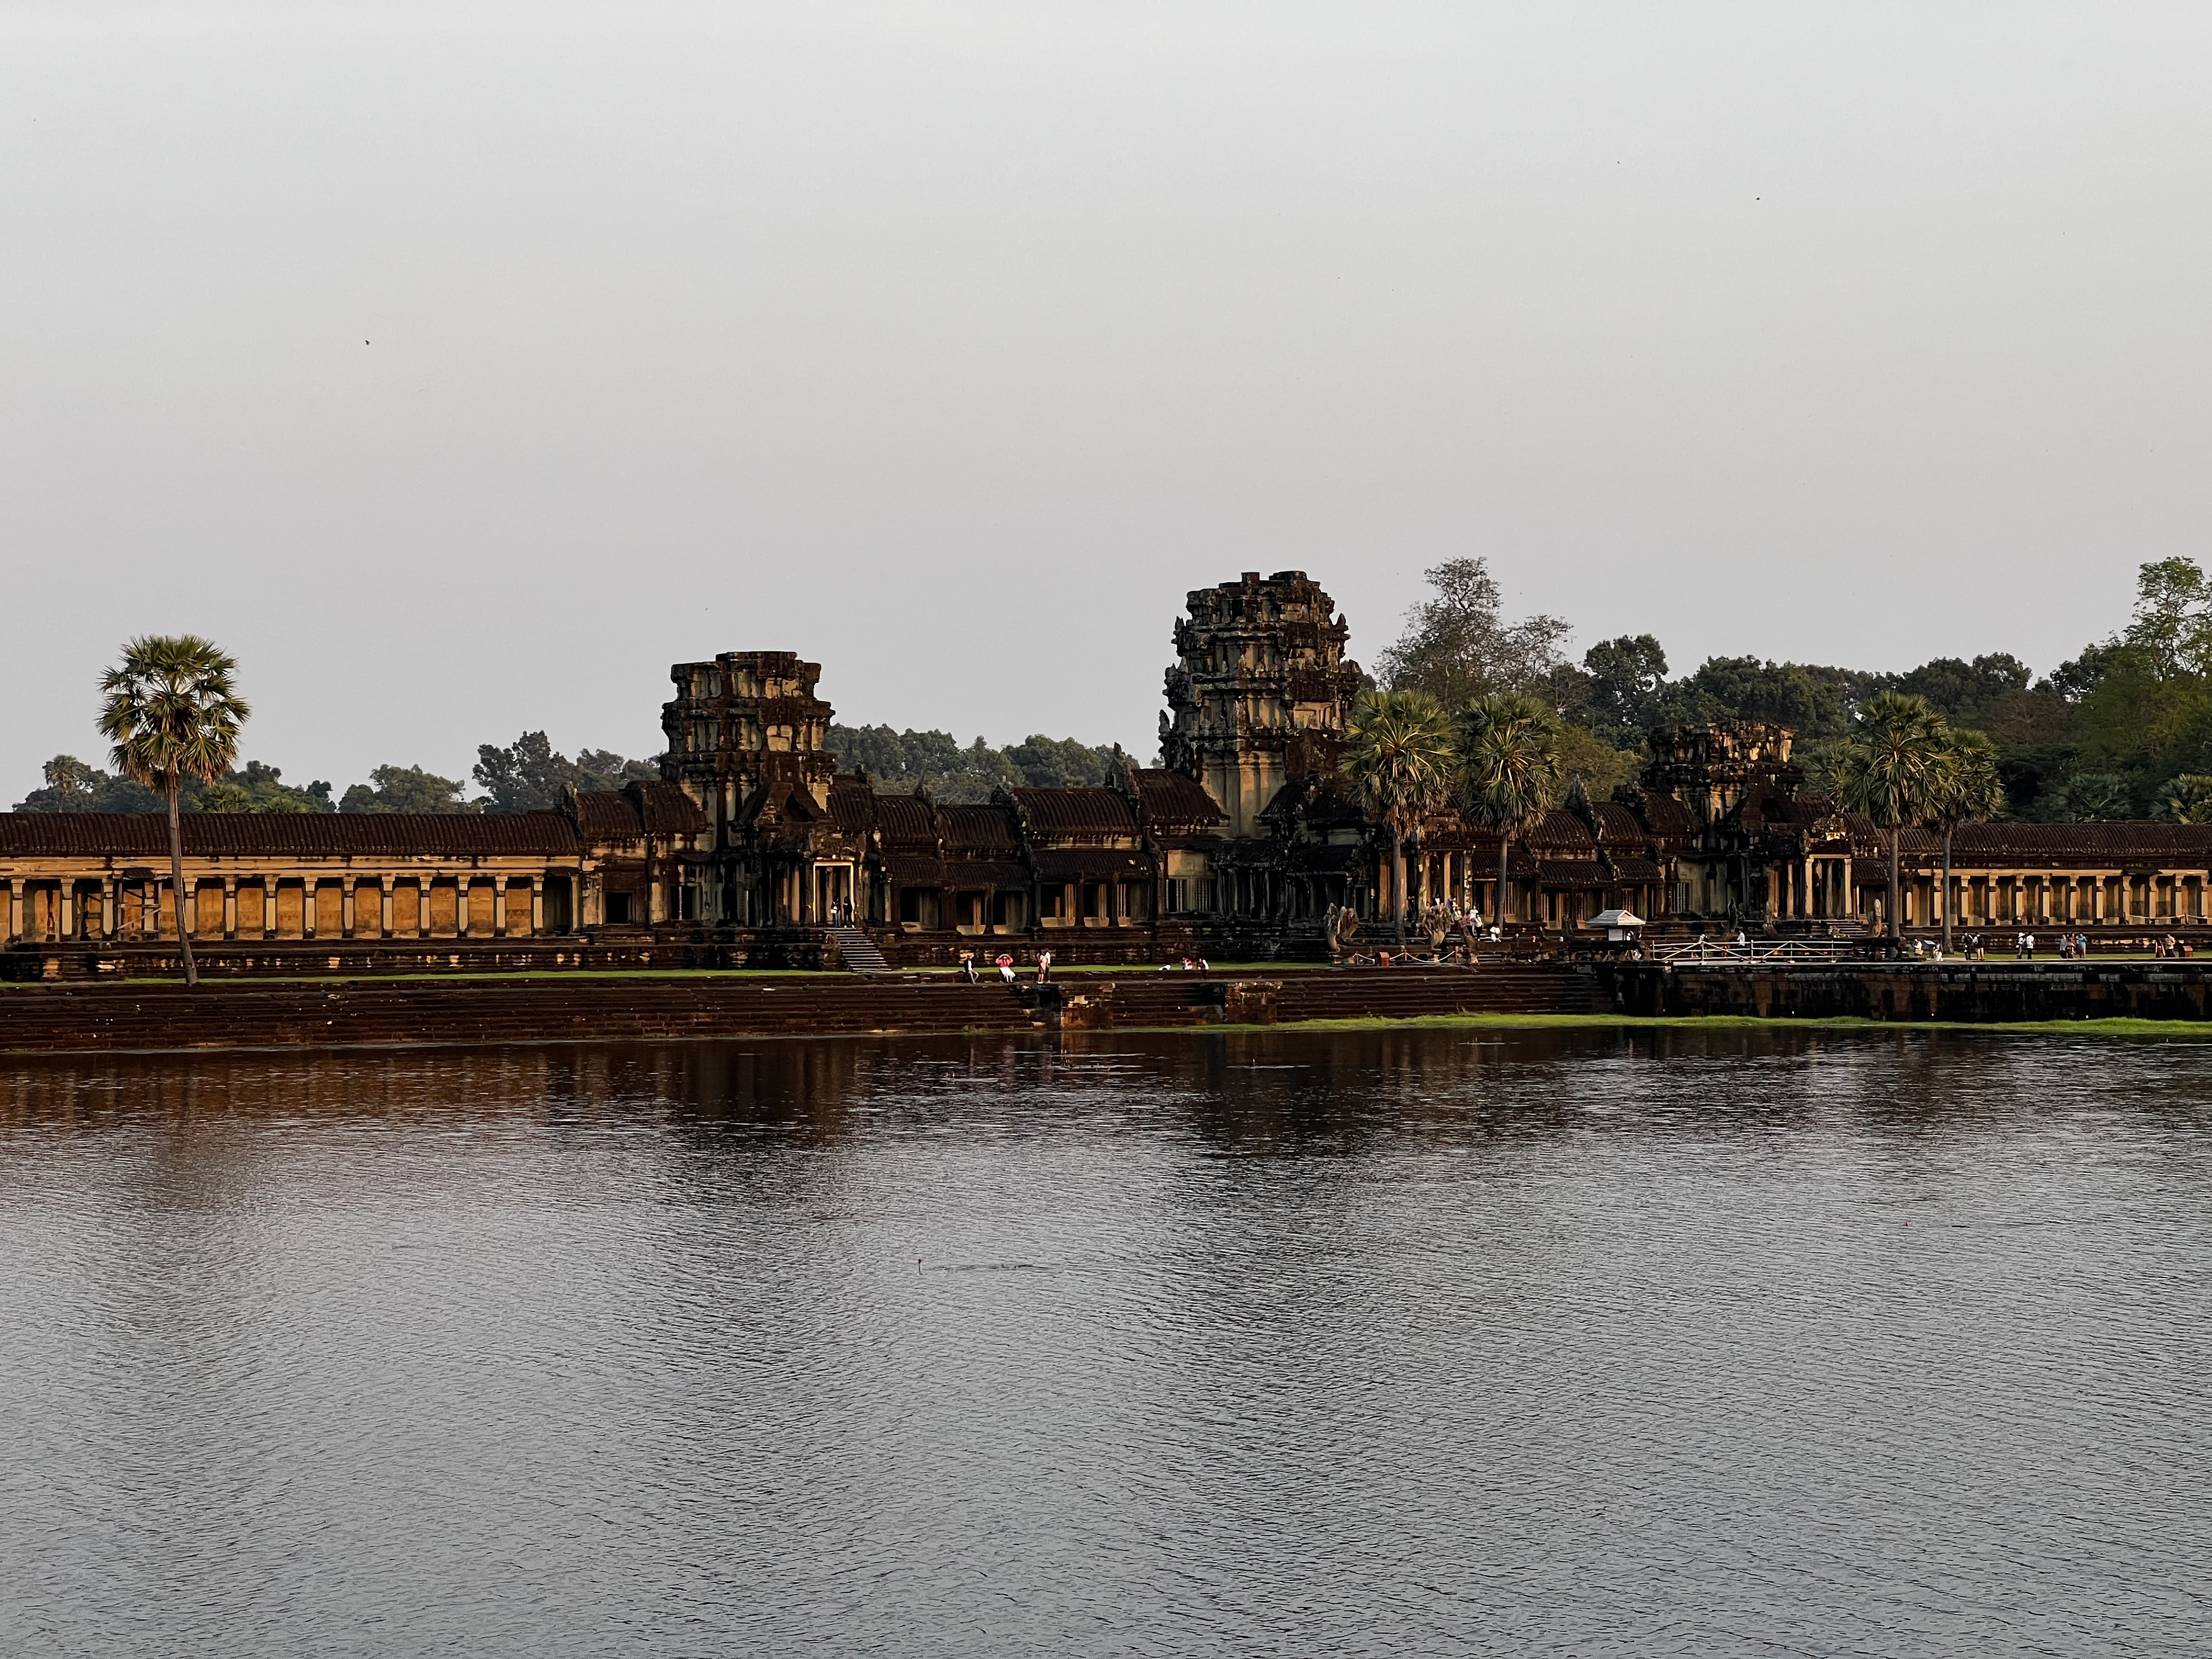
{"x": 1725, "y": 953}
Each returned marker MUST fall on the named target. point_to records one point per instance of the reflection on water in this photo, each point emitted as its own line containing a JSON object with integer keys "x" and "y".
{"x": 1430, "y": 1341}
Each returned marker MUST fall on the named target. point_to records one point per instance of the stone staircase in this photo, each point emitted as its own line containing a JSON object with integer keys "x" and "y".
{"x": 857, "y": 953}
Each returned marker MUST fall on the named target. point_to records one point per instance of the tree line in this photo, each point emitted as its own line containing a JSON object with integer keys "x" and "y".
{"x": 909, "y": 759}
{"x": 527, "y": 775}
{"x": 2122, "y": 730}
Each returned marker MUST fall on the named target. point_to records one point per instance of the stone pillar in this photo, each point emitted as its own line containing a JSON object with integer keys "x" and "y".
{"x": 460, "y": 907}
{"x": 307, "y": 906}
{"x": 384, "y": 906}
{"x": 230, "y": 906}
{"x": 68, "y": 908}
{"x": 498, "y": 906}
{"x": 537, "y": 905}
{"x": 345, "y": 903}
{"x": 110, "y": 908}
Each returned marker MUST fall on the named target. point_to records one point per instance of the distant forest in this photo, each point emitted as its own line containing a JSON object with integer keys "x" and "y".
{"x": 901, "y": 760}
{"x": 526, "y": 776}
{"x": 2109, "y": 734}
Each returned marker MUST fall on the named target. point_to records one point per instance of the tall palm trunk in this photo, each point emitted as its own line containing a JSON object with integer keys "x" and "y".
{"x": 177, "y": 886}
{"x": 1398, "y": 881}
{"x": 1947, "y": 890}
{"x": 1504, "y": 848}
{"x": 1896, "y": 916}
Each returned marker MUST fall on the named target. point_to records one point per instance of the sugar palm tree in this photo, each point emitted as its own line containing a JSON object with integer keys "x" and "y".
{"x": 1889, "y": 769}
{"x": 1510, "y": 768}
{"x": 2189, "y": 798}
{"x": 1398, "y": 755}
{"x": 171, "y": 711}
{"x": 1965, "y": 790}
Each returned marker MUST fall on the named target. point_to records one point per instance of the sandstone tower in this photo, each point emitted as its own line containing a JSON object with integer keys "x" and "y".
{"x": 746, "y": 735}
{"x": 1261, "y": 694}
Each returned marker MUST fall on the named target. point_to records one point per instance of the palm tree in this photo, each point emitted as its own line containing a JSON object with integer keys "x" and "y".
{"x": 2189, "y": 798}
{"x": 1509, "y": 768}
{"x": 1398, "y": 755}
{"x": 171, "y": 711}
{"x": 1966, "y": 790}
{"x": 1889, "y": 769}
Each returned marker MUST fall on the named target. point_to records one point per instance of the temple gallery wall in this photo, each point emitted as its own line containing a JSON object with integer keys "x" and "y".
{"x": 1242, "y": 838}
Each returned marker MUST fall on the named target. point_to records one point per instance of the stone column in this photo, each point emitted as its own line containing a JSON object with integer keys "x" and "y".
{"x": 230, "y": 906}
{"x": 110, "y": 908}
{"x": 345, "y": 904}
{"x": 384, "y": 906}
{"x": 460, "y": 907}
{"x": 68, "y": 908}
{"x": 537, "y": 905}
{"x": 498, "y": 906}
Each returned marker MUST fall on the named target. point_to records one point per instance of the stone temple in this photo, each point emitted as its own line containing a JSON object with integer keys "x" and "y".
{"x": 1235, "y": 845}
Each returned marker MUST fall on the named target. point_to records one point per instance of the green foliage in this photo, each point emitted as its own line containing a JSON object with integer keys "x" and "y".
{"x": 1512, "y": 771}
{"x": 1061, "y": 762}
{"x": 1398, "y": 755}
{"x": 1962, "y": 691}
{"x": 1603, "y": 769}
{"x": 1966, "y": 788}
{"x": 905, "y": 760}
{"x": 2146, "y": 714}
{"x": 1890, "y": 768}
{"x": 407, "y": 789}
{"x": 72, "y": 785}
{"x": 261, "y": 788}
{"x": 2188, "y": 798}
{"x": 2098, "y": 798}
{"x": 172, "y": 711}
{"x": 1624, "y": 686}
{"x": 529, "y": 775}
{"x": 1814, "y": 701}
{"x": 1458, "y": 645}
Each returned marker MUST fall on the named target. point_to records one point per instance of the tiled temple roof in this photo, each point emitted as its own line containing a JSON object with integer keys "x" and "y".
{"x": 2135, "y": 843}
{"x": 637, "y": 809}
{"x": 1171, "y": 798}
{"x": 1076, "y": 811}
{"x": 144, "y": 836}
{"x": 906, "y": 821}
{"x": 978, "y": 828}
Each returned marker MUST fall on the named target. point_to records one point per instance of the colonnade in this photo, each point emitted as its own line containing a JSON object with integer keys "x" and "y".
{"x": 2033, "y": 897}
{"x": 99, "y": 906}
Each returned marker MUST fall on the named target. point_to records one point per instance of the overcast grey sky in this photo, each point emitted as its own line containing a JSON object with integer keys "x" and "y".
{"x": 459, "y": 367}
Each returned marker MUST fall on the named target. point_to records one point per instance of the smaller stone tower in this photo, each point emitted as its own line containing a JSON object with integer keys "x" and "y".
{"x": 1262, "y": 693}
{"x": 746, "y": 735}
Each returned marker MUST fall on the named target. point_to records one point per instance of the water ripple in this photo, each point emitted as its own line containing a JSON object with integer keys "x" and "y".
{"x": 1588, "y": 1343}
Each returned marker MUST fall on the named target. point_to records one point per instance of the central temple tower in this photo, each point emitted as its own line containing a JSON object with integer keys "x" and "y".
{"x": 1260, "y": 694}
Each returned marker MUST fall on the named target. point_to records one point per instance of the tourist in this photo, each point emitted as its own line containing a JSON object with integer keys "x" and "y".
{"x": 967, "y": 965}
{"x": 1005, "y": 966}
{"x": 2027, "y": 947}
{"x": 1044, "y": 966}
{"x": 1202, "y": 968}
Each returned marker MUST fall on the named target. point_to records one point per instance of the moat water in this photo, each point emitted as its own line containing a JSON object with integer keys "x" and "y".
{"x": 1413, "y": 1343}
